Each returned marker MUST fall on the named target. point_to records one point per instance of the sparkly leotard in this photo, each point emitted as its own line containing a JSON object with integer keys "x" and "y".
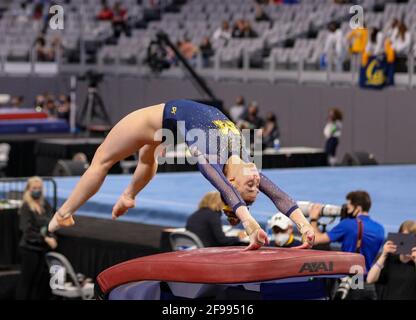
{"x": 212, "y": 138}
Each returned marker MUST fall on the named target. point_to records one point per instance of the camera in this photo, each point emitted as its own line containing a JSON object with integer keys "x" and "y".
{"x": 157, "y": 54}
{"x": 93, "y": 78}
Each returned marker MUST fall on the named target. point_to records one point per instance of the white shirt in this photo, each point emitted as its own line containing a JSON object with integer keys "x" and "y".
{"x": 333, "y": 129}
{"x": 401, "y": 45}
{"x": 377, "y": 47}
{"x": 334, "y": 43}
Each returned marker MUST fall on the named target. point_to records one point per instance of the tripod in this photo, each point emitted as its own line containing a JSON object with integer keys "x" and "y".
{"x": 94, "y": 108}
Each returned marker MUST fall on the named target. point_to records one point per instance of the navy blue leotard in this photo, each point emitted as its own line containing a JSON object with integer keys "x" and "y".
{"x": 213, "y": 138}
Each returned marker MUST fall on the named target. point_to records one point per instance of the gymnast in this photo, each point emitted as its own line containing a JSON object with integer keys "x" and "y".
{"x": 229, "y": 171}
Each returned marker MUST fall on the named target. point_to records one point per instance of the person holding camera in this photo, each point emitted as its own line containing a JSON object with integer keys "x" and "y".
{"x": 357, "y": 233}
{"x": 396, "y": 272}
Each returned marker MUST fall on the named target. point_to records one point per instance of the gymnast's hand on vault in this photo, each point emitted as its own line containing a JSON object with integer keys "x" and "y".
{"x": 308, "y": 238}
{"x": 124, "y": 203}
{"x": 257, "y": 240}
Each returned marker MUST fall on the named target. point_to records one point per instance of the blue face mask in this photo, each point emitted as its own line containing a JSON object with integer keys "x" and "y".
{"x": 36, "y": 195}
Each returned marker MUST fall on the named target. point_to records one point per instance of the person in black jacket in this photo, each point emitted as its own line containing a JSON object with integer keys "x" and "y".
{"x": 35, "y": 215}
{"x": 206, "y": 223}
{"x": 396, "y": 273}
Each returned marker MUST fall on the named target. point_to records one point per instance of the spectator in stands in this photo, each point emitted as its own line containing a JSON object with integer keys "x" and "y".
{"x": 40, "y": 102}
{"x": 23, "y": 13}
{"x": 238, "y": 29}
{"x": 396, "y": 273}
{"x": 367, "y": 242}
{"x": 391, "y": 31}
{"x": 260, "y": 15}
{"x": 334, "y": 46}
{"x": 17, "y": 102}
{"x": 119, "y": 21}
{"x": 282, "y": 232}
{"x": 237, "y": 112}
{"x": 188, "y": 50}
{"x": 357, "y": 39}
{"x": 63, "y": 107}
{"x": 270, "y": 132}
{"x": 243, "y": 29}
{"x": 401, "y": 46}
{"x": 105, "y": 14}
{"x": 34, "y": 216}
{"x": 332, "y": 133}
{"x": 50, "y": 107}
{"x": 38, "y": 11}
{"x": 375, "y": 45}
{"x": 43, "y": 53}
{"x": 252, "y": 121}
{"x": 223, "y": 33}
{"x": 206, "y": 50}
{"x": 206, "y": 223}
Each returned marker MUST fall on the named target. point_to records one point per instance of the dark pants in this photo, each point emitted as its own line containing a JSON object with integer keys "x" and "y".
{"x": 34, "y": 278}
{"x": 331, "y": 146}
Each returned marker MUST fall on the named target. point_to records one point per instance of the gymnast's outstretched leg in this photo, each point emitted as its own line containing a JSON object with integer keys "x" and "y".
{"x": 129, "y": 135}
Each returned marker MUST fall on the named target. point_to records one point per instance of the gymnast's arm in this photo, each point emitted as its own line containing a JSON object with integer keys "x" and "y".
{"x": 214, "y": 174}
{"x": 288, "y": 206}
{"x": 145, "y": 171}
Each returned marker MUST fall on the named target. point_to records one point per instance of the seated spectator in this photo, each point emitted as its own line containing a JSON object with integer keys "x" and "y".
{"x": 238, "y": 29}
{"x": 206, "y": 222}
{"x": 237, "y": 111}
{"x": 260, "y": 15}
{"x": 22, "y": 14}
{"x": 105, "y": 14}
{"x": 43, "y": 53}
{"x": 252, "y": 120}
{"x": 222, "y": 33}
{"x": 63, "y": 107}
{"x": 50, "y": 107}
{"x": 248, "y": 31}
{"x": 396, "y": 273}
{"x": 17, "y": 102}
{"x": 207, "y": 51}
{"x": 120, "y": 21}
{"x": 38, "y": 11}
{"x": 282, "y": 232}
{"x": 40, "y": 102}
{"x": 188, "y": 50}
{"x": 270, "y": 132}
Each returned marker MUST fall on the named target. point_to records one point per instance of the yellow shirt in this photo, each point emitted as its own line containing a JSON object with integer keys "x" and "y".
{"x": 359, "y": 38}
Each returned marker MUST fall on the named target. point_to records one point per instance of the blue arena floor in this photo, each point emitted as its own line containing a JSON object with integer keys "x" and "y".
{"x": 171, "y": 197}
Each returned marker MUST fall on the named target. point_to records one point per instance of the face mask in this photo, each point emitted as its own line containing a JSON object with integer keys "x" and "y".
{"x": 36, "y": 195}
{"x": 351, "y": 213}
{"x": 281, "y": 239}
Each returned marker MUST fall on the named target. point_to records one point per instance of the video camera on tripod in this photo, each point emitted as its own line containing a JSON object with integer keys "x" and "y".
{"x": 93, "y": 78}
{"x": 93, "y": 116}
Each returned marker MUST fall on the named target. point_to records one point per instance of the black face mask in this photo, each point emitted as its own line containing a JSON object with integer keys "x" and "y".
{"x": 36, "y": 195}
{"x": 345, "y": 213}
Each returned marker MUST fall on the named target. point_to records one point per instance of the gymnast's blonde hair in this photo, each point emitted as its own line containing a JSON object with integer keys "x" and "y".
{"x": 212, "y": 200}
{"x": 36, "y": 206}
